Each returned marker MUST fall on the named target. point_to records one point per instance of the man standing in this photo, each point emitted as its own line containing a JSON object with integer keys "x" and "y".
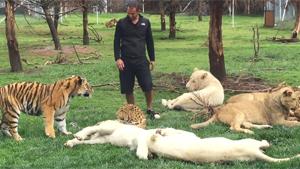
{"x": 132, "y": 35}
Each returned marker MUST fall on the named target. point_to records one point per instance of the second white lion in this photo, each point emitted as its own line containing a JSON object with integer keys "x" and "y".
{"x": 205, "y": 90}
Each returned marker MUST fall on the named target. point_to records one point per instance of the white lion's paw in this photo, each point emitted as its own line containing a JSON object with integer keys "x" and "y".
{"x": 66, "y": 132}
{"x": 69, "y": 144}
{"x": 164, "y": 102}
{"x": 265, "y": 143}
{"x": 143, "y": 157}
{"x": 79, "y": 136}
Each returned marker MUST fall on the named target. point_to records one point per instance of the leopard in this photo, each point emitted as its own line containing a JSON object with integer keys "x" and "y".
{"x": 132, "y": 114}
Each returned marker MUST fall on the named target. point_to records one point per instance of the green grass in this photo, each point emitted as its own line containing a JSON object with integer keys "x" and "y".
{"x": 180, "y": 55}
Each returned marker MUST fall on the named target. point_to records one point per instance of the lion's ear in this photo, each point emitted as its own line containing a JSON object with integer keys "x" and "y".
{"x": 80, "y": 80}
{"x": 204, "y": 75}
{"x": 287, "y": 92}
{"x": 195, "y": 69}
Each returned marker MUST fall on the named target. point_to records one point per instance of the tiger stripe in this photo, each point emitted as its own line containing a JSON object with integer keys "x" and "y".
{"x": 34, "y": 98}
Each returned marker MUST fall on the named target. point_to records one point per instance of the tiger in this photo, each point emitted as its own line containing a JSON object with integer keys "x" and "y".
{"x": 132, "y": 114}
{"x": 34, "y": 98}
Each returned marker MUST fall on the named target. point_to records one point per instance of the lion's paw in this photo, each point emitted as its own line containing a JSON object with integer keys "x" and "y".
{"x": 69, "y": 144}
{"x": 164, "y": 102}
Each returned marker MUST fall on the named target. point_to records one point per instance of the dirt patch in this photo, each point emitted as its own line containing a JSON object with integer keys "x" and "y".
{"x": 176, "y": 82}
{"x": 67, "y": 50}
{"x": 33, "y": 70}
{"x": 284, "y": 40}
{"x": 170, "y": 81}
{"x": 238, "y": 84}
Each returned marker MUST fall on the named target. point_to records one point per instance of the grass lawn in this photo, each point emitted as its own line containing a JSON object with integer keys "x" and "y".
{"x": 277, "y": 62}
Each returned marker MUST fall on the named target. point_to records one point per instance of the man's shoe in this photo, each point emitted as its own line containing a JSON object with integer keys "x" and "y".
{"x": 153, "y": 114}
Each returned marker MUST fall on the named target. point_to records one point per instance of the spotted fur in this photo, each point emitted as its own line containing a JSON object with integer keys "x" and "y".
{"x": 132, "y": 114}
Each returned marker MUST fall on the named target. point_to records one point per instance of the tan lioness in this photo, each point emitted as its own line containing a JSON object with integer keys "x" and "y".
{"x": 259, "y": 96}
{"x": 257, "y": 114}
{"x": 297, "y": 111}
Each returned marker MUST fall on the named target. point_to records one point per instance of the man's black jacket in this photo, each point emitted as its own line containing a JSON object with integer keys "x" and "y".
{"x": 131, "y": 39}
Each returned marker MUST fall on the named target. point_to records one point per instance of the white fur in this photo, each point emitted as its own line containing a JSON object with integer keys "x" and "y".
{"x": 205, "y": 90}
{"x": 215, "y": 149}
{"x": 61, "y": 125}
{"x": 124, "y": 135}
{"x": 172, "y": 143}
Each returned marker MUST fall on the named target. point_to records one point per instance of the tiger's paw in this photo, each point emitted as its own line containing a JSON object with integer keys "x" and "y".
{"x": 50, "y": 133}
{"x": 17, "y": 137}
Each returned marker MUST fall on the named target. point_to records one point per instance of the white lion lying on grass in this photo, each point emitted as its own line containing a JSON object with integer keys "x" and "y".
{"x": 205, "y": 90}
{"x": 119, "y": 134}
{"x": 172, "y": 143}
{"x": 199, "y": 150}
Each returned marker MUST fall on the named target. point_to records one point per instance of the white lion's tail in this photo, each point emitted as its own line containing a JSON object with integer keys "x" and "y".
{"x": 276, "y": 160}
{"x": 204, "y": 124}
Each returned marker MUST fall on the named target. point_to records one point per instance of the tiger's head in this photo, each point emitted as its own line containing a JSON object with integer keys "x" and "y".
{"x": 79, "y": 86}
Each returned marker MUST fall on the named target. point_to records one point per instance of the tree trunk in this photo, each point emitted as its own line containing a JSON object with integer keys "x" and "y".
{"x": 297, "y": 23}
{"x": 162, "y": 15}
{"x": 246, "y": 7}
{"x": 172, "y": 34}
{"x": 199, "y": 6}
{"x": 12, "y": 43}
{"x": 216, "y": 51}
{"x": 85, "y": 23}
{"x": 51, "y": 25}
{"x": 56, "y": 14}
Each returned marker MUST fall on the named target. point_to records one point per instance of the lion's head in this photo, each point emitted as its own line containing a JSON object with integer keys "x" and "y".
{"x": 77, "y": 85}
{"x": 297, "y": 111}
{"x": 289, "y": 98}
{"x": 199, "y": 80}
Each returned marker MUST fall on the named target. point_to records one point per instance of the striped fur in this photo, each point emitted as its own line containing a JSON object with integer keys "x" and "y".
{"x": 33, "y": 98}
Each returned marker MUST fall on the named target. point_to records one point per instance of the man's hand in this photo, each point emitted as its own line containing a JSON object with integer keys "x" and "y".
{"x": 120, "y": 64}
{"x": 151, "y": 65}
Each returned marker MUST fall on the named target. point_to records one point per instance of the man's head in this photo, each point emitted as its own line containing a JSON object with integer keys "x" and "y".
{"x": 133, "y": 10}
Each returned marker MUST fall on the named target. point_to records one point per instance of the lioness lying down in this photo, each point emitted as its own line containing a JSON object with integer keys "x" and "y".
{"x": 273, "y": 110}
{"x": 261, "y": 96}
{"x": 205, "y": 90}
{"x": 258, "y": 96}
{"x": 216, "y": 149}
{"x": 119, "y": 134}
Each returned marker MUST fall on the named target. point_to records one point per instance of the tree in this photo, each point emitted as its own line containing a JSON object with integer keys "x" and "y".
{"x": 56, "y": 13}
{"x": 45, "y": 4}
{"x": 85, "y": 22}
{"x": 199, "y": 11}
{"x": 173, "y": 7}
{"x": 12, "y": 43}
{"x": 297, "y": 23}
{"x": 162, "y": 15}
{"x": 216, "y": 51}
